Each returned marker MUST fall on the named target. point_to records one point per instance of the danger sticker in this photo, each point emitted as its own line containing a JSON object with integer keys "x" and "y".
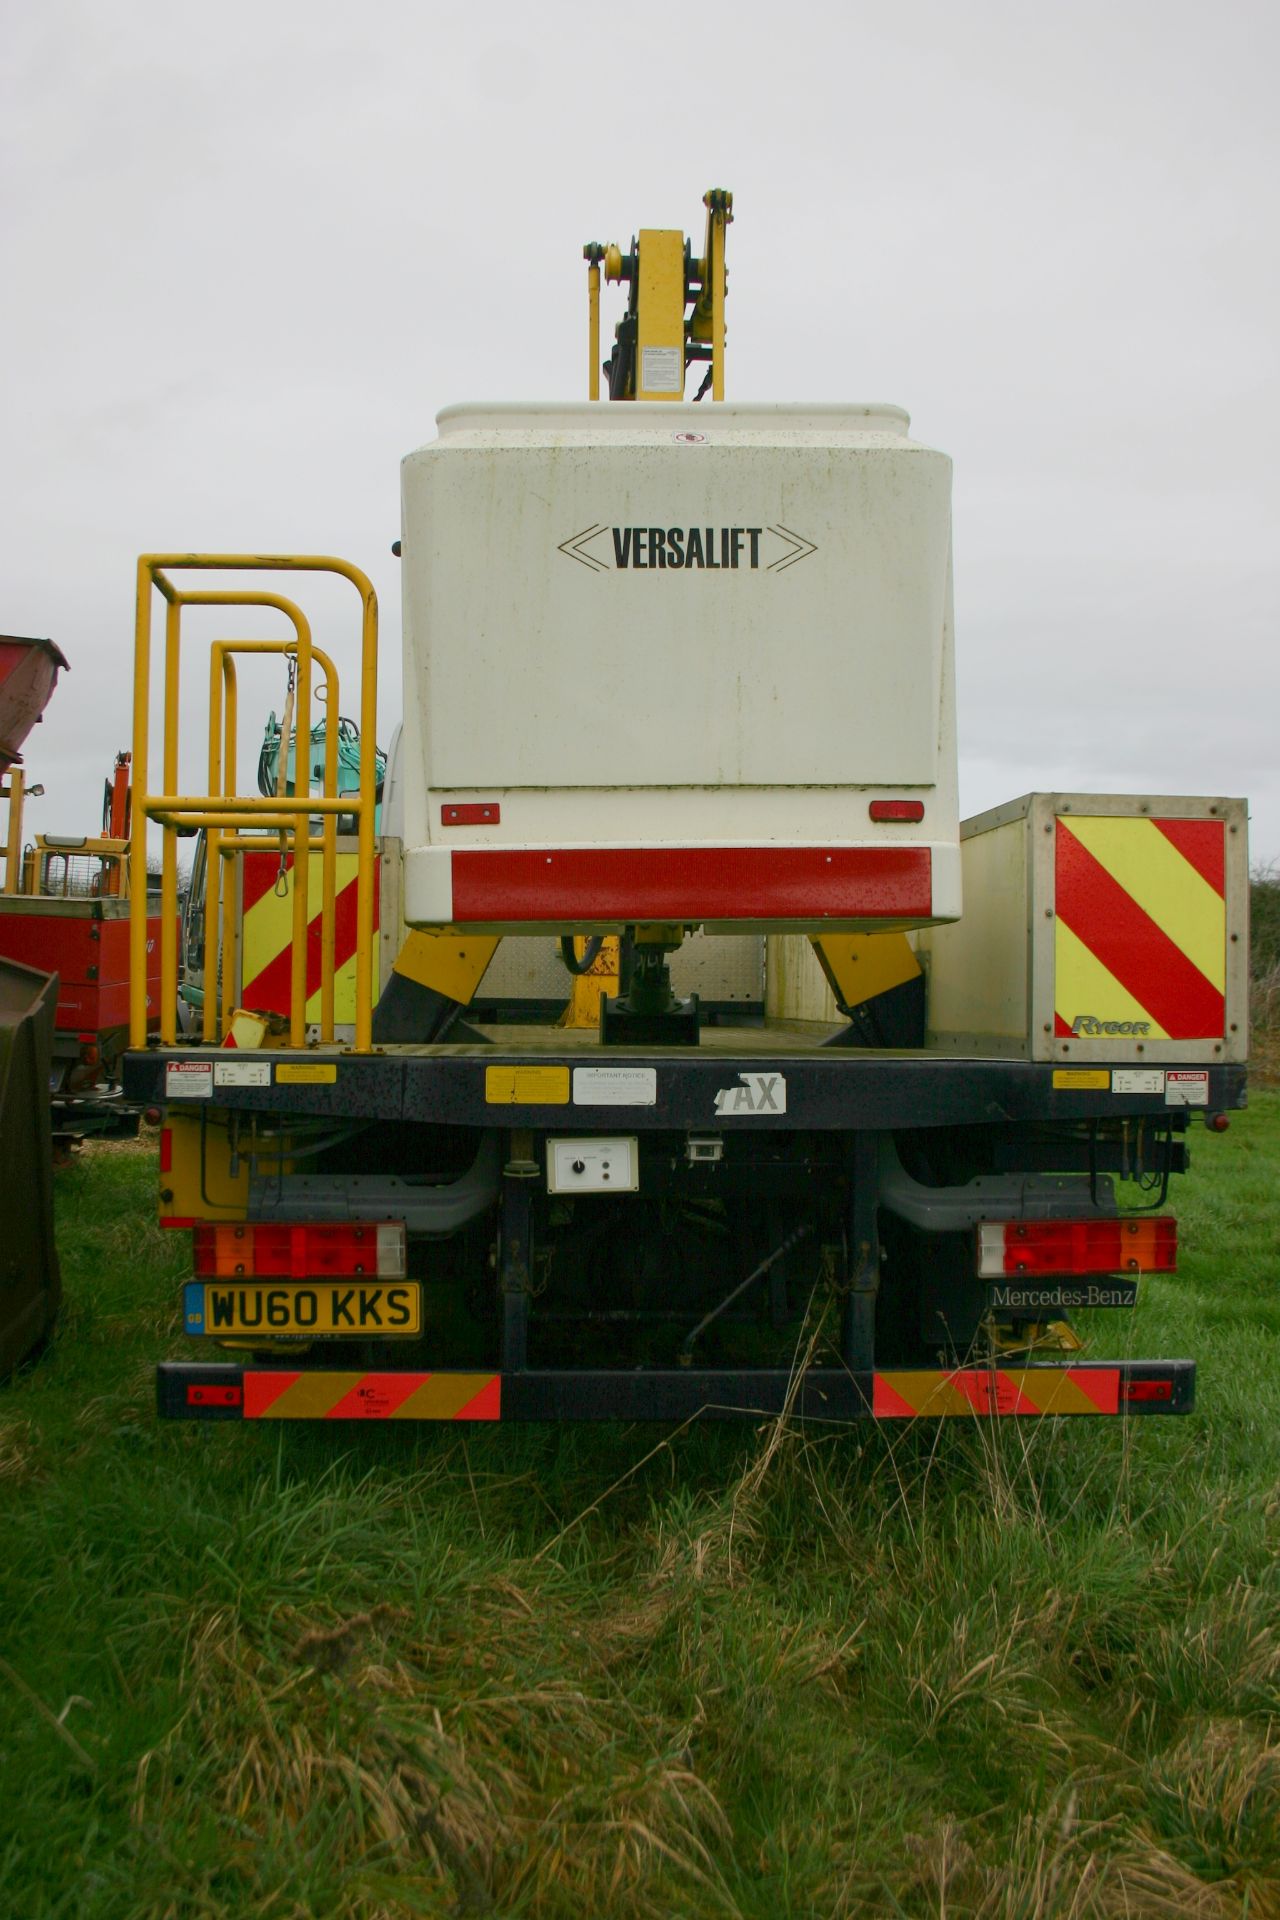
{"x": 188, "y": 1080}
{"x": 1186, "y": 1088}
{"x": 757, "y": 1093}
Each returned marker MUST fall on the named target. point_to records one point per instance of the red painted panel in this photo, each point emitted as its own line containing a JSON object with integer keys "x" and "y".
{"x": 91, "y": 960}
{"x": 691, "y": 883}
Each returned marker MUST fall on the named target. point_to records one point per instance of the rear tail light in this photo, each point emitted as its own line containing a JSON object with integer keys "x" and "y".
{"x": 1073, "y": 1247}
{"x": 315, "y": 1251}
{"x": 896, "y": 809}
{"x": 1147, "y": 1390}
{"x": 215, "y": 1396}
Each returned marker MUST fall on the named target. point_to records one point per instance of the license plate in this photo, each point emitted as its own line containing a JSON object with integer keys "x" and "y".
{"x": 304, "y": 1307}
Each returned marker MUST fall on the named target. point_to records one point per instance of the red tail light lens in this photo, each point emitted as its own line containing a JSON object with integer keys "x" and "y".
{"x": 896, "y": 809}
{"x": 1147, "y": 1390}
{"x": 1072, "y": 1247}
{"x": 314, "y": 1251}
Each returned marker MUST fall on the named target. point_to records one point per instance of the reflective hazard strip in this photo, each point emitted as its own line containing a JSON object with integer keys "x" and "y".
{"x": 1141, "y": 921}
{"x": 372, "y": 1396}
{"x": 988, "y": 1391}
{"x": 267, "y": 934}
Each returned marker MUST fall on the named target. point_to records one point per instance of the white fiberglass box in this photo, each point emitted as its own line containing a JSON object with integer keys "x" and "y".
{"x": 670, "y": 663}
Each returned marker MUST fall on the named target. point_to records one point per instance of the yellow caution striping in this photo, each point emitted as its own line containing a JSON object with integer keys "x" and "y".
{"x": 1165, "y": 885}
{"x": 395, "y": 1395}
{"x": 994, "y": 1391}
{"x": 1083, "y": 985}
{"x": 266, "y": 934}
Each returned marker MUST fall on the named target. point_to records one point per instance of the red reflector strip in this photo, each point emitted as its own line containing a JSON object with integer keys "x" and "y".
{"x": 568, "y": 885}
{"x": 896, "y": 809}
{"x": 166, "y": 1149}
{"x": 178, "y": 1220}
{"x": 214, "y": 1397}
{"x": 1071, "y": 1247}
{"x": 372, "y": 1396}
{"x": 993, "y": 1393}
{"x": 1146, "y": 1390}
{"x": 471, "y": 813}
{"x": 299, "y": 1250}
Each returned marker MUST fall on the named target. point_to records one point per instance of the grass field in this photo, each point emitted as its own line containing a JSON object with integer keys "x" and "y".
{"x": 1014, "y": 1670}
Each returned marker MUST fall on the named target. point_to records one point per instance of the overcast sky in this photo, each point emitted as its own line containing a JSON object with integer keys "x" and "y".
{"x": 249, "y": 251}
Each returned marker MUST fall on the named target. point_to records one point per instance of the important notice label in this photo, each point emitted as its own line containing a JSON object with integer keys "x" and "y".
{"x": 615, "y": 1086}
{"x": 188, "y": 1080}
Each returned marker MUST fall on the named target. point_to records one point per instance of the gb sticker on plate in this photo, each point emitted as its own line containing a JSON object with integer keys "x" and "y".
{"x": 757, "y": 1093}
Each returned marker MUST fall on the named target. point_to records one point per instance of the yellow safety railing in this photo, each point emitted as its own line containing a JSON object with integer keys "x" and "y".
{"x": 97, "y": 867}
{"x": 12, "y": 845}
{"x": 224, "y": 848}
{"x": 224, "y": 813}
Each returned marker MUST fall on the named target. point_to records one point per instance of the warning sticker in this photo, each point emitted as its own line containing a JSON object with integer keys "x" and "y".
{"x": 1082, "y": 1079}
{"x": 307, "y": 1073}
{"x": 526, "y": 1086}
{"x": 242, "y": 1073}
{"x": 1137, "y": 1080}
{"x": 1186, "y": 1088}
{"x": 661, "y": 370}
{"x": 758, "y": 1093}
{"x": 615, "y": 1086}
{"x": 188, "y": 1080}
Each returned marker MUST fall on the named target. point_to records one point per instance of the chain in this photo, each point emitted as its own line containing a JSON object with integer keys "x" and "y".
{"x": 282, "y": 770}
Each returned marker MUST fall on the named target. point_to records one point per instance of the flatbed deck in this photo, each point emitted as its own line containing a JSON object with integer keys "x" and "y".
{"x": 546, "y": 1076}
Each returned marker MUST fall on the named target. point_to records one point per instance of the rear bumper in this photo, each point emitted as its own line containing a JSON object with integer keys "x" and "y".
{"x": 189, "y": 1391}
{"x": 526, "y": 888}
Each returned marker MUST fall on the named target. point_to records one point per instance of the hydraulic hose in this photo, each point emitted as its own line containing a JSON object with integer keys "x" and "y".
{"x": 590, "y": 954}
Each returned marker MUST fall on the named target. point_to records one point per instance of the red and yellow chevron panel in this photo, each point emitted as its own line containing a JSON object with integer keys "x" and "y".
{"x": 1141, "y": 934}
{"x": 372, "y": 1396}
{"x": 989, "y": 1392}
{"x": 266, "y": 933}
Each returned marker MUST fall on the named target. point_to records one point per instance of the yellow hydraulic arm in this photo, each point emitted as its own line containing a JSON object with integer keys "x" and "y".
{"x": 675, "y": 309}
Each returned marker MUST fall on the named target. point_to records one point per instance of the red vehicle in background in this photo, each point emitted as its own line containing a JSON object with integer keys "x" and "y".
{"x": 64, "y": 909}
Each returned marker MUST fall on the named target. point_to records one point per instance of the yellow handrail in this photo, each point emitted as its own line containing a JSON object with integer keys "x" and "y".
{"x": 12, "y": 848}
{"x": 222, "y": 769}
{"x": 219, "y": 811}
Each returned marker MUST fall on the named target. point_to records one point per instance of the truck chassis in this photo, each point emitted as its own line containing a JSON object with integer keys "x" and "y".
{"x": 812, "y": 1124}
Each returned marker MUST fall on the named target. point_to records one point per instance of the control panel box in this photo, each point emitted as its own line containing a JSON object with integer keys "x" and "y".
{"x": 594, "y": 1165}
